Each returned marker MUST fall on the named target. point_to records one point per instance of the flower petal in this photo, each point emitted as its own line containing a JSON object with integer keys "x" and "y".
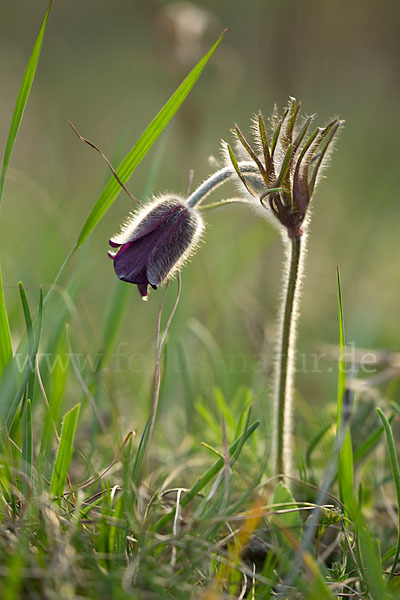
{"x": 176, "y": 242}
{"x": 142, "y": 287}
{"x": 146, "y": 221}
{"x": 130, "y": 263}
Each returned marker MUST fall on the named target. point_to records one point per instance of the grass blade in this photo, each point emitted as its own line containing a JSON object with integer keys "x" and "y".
{"x": 27, "y": 448}
{"x": 57, "y": 383}
{"x": 5, "y": 336}
{"x": 396, "y": 478}
{"x": 146, "y": 140}
{"x": 27, "y": 314}
{"x": 370, "y": 442}
{"x": 22, "y": 99}
{"x": 371, "y": 562}
{"x": 64, "y": 452}
{"x": 346, "y": 471}
{"x": 139, "y": 452}
{"x": 286, "y": 522}
{"x": 29, "y": 330}
{"x": 314, "y": 443}
{"x": 208, "y": 475}
{"x": 29, "y": 367}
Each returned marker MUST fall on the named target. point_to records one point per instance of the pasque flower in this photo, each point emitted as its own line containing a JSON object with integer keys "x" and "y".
{"x": 290, "y": 159}
{"x": 288, "y": 164}
{"x": 279, "y": 174}
{"x": 154, "y": 242}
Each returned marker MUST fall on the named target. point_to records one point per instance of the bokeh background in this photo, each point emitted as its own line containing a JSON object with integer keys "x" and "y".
{"x": 108, "y": 67}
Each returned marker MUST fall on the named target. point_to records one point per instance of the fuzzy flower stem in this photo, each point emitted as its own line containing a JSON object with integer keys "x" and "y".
{"x": 286, "y": 357}
{"x": 217, "y": 179}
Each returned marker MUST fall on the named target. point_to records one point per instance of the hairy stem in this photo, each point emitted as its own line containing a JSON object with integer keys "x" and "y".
{"x": 217, "y": 179}
{"x": 285, "y": 360}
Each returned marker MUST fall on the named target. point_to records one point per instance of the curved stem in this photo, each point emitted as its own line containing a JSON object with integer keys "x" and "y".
{"x": 285, "y": 360}
{"x": 217, "y": 179}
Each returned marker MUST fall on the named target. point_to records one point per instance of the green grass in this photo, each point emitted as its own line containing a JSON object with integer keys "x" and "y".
{"x": 89, "y": 511}
{"x": 22, "y": 99}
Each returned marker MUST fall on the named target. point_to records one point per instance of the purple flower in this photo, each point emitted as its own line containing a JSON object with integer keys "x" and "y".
{"x": 154, "y": 242}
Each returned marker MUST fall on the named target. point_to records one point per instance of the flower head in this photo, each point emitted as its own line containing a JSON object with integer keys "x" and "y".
{"x": 154, "y": 242}
{"x": 288, "y": 164}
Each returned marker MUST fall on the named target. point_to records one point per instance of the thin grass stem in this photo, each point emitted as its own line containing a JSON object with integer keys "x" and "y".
{"x": 160, "y": 343}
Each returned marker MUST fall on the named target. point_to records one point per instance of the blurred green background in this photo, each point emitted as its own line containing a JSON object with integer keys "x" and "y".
{"x": 108, "y": 67}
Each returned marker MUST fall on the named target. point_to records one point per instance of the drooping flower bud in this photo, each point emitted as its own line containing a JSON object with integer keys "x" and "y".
{"x": 155, "y": 242}
{"x": 289, "y": 160}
